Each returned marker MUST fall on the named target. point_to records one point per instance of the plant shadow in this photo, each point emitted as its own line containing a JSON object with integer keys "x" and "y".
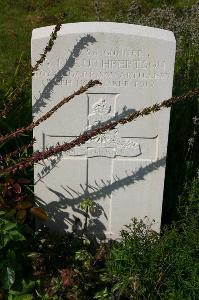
{"x": 70, "y": 62}
{"x": 65, "y": 210}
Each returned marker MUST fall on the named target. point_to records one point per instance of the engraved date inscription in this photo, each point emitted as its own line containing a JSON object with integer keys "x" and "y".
{"x": 119, "y": 67}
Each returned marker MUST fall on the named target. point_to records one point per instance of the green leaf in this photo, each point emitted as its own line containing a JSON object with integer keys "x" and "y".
{"x": 7, "y": 277}
{"x": 27, "y": 288}
{"x": 21, "y": 216}
{"x": 82, "y": 255}
{"x": 17, "y": 236}
{"x": 5, "y": 240}
{"x": 2, "y": 264}
{"x": 101, "y": 294}
{"x": 10, "y": 226}
{"x": 10, "y": 213}
{"x": 23, "y": 297}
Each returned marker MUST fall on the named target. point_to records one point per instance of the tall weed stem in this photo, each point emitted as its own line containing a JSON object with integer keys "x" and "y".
{"x": 22, "y": 130}
{"x": 84, "y": 137}
{"x": 13, "y": 97}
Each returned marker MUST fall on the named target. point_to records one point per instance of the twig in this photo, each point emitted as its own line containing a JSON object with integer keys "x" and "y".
{"x": 83, "y": 138}
{"x": 22, "y": 130}
{"x": 12, "y": 98}
{"x": 17, "y": 151}
{"x": 48, "y": 48}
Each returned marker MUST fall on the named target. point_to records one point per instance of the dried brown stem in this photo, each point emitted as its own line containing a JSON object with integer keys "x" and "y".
{"x": 49, "y": 46}
{"x": 12, "y": 98}
{"x": 83, "y": 138}
{"x": 22, "y": 130}
{"x": 16, "y": 152}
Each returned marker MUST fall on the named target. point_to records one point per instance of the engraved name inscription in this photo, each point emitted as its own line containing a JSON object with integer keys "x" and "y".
{"x": 119, "y": 67}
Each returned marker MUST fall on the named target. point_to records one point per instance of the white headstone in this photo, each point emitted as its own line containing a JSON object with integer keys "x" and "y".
{"x": 123, "y": 170}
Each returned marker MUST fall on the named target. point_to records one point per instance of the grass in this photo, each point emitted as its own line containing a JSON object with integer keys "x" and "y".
{"x": 19, "y": 18}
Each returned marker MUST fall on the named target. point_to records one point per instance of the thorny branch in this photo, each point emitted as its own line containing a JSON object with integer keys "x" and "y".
{"x": 83, "y": 138}
{"x": 22, "y": 130}
{"x": 48, "y": 48}
{"x": 16, "y": 152}
{"x": 12, "y": 98}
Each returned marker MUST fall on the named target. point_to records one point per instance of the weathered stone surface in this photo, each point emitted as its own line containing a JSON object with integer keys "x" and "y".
{"x": 123, "y": 170}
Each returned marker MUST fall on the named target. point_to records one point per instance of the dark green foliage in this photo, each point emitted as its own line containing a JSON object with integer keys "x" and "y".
{"x": 142, "y": 265}
{"x": 13, "y": 261}
{"x": 153, "y": 267}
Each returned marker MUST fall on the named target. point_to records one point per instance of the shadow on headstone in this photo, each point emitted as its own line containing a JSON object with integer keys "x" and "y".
{"x": 62, "y": 220}
{"x": 70, "y": 62}
{"x": 53, "y": 162}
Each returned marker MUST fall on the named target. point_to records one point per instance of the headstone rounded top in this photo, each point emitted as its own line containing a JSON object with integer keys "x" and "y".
{"x": 121, "y": 171}
{"x": 106, "y": 27}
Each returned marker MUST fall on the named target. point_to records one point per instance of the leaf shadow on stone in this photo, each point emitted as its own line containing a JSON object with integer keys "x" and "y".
{"x": 52, "y": 163}
{"x": 84, "y": 42}
{"x": 61, "y": 220}
{"x": 125, "y": 113}
{"x": 55, "y": 160}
